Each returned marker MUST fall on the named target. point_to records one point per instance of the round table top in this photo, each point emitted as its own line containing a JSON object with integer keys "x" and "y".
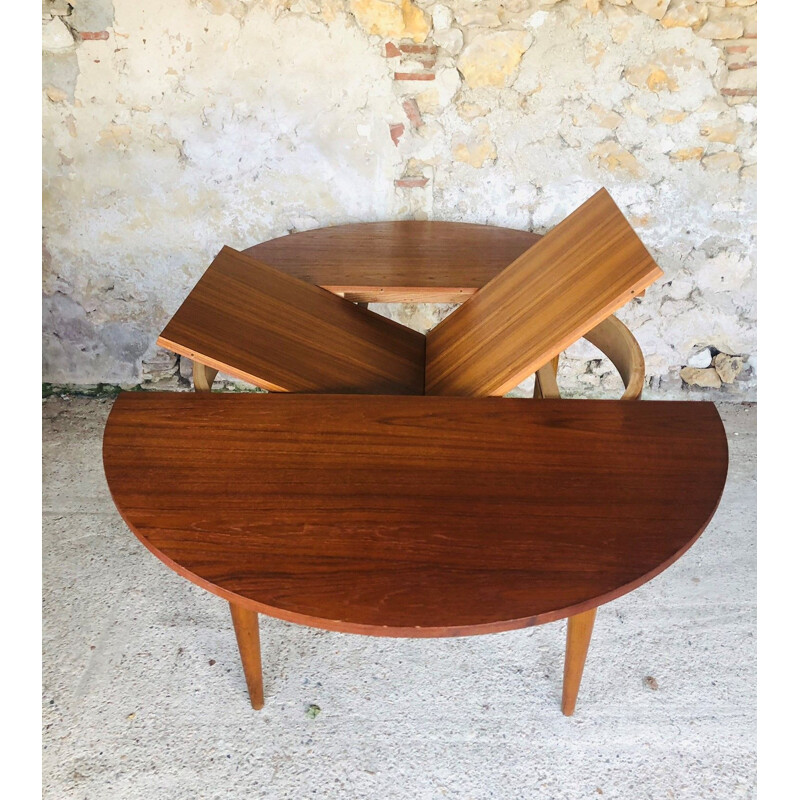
{"x": 414, "y": 516}
{"x": 405, "y": 261}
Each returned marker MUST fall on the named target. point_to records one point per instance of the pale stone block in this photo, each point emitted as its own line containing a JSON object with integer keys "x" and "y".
{"x": 595, "y": 51}
{"x": 652, "y": 77}
{"x": 741, "y": 79}
{"x": 305, "y": 7}
{"x": 749, "y": 154}
{"x": 416, "y": 23}
{"x": 185, "y": 368}
{"x": 722, "y": 28}
{"x": 728, "y": 367}
{"x": 516, "y": 6}
{"x": 749, "y": 19}
{"x": 738, "y": 100}
{"x": 658, "y": 81}
{"x": 478, "y": 17}
{"x": 451, "y": 40}
{"x": 56, "y": 35}
{"x": 428, "y": 101}
{"x": 392, "y": 18}
{"x": 449, "y": 82}
{"x": 56, "y": 95}
{"x": 476, "y": 154}
{"x": 616, "y": 159}
{"x": 672, "y": 117}
{"x": 621, "y": 31}
{"x": 491, "y": 59}
{"x": 685, "y": 14}
{"x": 56, "y": 8}
{"x": 159, "y": 364}
{"x": 445, "y": 86}
{"x": 680, "y": 286}
{"x": 442, "y": 17}
{"x": 92, "y": 15}
{"x": 727, "y": 134}
{"x": 60, "y": 71}
{"x": 470, "y": 111}
{"x": 708, "y": 378}
{"x": 329, "y": 9}
{"x": 687, "y": 154}
{"x": 115, "y": 136}
{"x": 478, "y": 149}
{"x": 653, "y": 8}
{"x": 724, "y": 272}
{"x": 700, "y": 360}
{"x": 723, "y": 162}
{"x": 750, "y": 172}
{"x": 605, "y": 117}
{"x": 747, "y": 113}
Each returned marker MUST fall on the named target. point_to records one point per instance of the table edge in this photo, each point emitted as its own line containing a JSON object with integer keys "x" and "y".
{"x": 497, "y": 626}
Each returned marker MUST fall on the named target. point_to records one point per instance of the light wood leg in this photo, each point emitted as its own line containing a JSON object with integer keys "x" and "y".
{"x": 245, "y": 623}
{"x": 546, "y": 385}
{"x": 579, "y": 633}
{"x": 203, "y": 376}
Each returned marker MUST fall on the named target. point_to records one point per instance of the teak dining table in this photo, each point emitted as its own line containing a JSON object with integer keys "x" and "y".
{"x": 413, "y": 516}
{"x": 401, "y": 515}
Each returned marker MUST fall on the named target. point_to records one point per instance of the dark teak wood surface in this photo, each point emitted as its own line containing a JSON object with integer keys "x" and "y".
{"x": 576, "y": 276}
{"x": 414, "y": 516}
{"x": 283, "y": 334}
{"x": 390, "y": 262}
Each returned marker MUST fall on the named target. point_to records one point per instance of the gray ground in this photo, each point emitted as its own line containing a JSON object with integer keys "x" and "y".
{"x": 144, "y": 697}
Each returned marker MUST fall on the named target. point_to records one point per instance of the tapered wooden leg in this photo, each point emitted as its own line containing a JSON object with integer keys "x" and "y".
{"x": 202, "y": 376}
{"x": 546, "y": 385}
{"x": 245, "y": 623}
{"x": 579, "y": 632}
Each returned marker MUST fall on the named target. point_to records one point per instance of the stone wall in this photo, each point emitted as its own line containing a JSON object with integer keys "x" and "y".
{"x": 172, "y": 128}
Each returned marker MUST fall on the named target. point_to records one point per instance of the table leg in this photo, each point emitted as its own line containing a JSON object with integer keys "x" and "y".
{"x": 546, "y": 385}
{"x": 203, "y": 376}
{"x": 245, "y": 623}
{"x": 579, "y": 632}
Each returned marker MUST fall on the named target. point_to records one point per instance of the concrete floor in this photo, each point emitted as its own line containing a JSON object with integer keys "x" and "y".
{"x": 144, "y": 697}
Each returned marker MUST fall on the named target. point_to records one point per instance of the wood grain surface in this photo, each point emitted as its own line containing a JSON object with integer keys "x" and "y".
{"x": 414, "y": 516}
{"x": 283, "y": 334}
{"x": 410, "y": 261}
{"x": 582, "y": 271}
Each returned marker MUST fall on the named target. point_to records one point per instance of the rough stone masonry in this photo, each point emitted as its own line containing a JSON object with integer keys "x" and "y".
{"x": 173, "y": 128}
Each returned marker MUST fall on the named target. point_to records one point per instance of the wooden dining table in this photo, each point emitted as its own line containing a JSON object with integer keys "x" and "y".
{"x": 402, "y": 515}
{"x": 413, "y": 516}
{"x": 405, "y": 261}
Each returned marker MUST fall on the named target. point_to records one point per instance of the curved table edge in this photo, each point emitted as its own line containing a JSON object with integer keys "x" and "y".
{"x": 418, "y": 632}
{"x": 390, "y": 293}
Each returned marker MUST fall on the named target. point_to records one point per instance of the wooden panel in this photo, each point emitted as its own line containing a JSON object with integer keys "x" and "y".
{"x": 281, "y": 333}
{"x": 407, "y": 261}
{"x": 582, "y": 271}
{"x": 414, "y": 516}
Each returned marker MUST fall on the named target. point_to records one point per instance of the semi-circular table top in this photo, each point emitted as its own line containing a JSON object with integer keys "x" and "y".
{"x": 405, "y": 261}
{"x": 414, "y": 516}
